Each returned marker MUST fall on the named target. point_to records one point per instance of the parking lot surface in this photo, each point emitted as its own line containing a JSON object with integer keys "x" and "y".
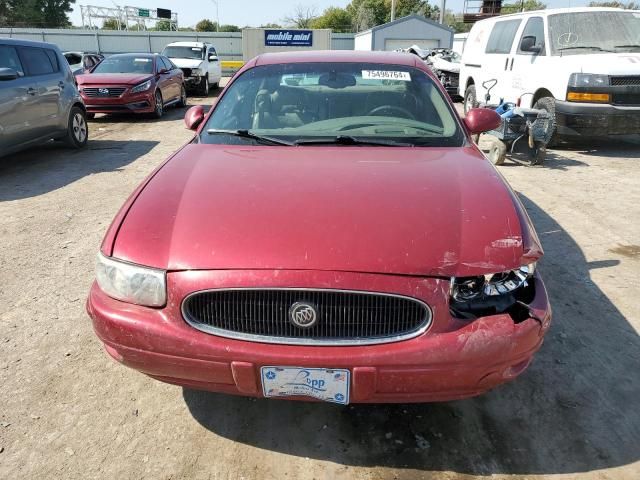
{"x": 69, "y": 411}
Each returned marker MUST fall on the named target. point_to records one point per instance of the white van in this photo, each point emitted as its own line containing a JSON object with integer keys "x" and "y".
{"x": 580, "y": 64}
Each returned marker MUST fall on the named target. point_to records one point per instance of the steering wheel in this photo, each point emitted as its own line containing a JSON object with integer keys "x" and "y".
{"x": 404, "y": 113}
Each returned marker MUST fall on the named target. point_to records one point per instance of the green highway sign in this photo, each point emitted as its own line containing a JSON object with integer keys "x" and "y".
{"x": 143, "y": 12}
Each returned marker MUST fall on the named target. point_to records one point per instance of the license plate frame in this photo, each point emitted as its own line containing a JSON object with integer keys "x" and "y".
{"x": 326, "y": 384}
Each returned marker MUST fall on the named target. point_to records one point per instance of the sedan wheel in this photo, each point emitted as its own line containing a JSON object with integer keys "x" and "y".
{"x": 159, "y": 107}
{"x": 78, "y": 131}
{"x": 183, "y": 97}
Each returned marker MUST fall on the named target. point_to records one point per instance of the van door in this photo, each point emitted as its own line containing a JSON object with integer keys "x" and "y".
{"x": 497, "y": 61}
{"x": 19, "y": 110}
{"x": 531, "y": 60}
{"x": 42, "y": 65}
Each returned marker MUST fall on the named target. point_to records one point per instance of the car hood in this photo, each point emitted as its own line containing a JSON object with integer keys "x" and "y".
{"x": 605, "y": 63}
{"x": 113, "y": 78}
{"x": 412, "y": 211}
{"x": 186, "y": 62}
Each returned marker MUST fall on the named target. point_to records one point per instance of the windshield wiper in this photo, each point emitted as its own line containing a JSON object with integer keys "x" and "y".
{"x": 248, "y": 134}
{"x": 627, "y": 46}
{"x": 349, "y": 140}
{"x": 590, "y": 47}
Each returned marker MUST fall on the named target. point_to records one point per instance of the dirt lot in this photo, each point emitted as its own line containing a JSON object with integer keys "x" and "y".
{"x": 68, "y": 411}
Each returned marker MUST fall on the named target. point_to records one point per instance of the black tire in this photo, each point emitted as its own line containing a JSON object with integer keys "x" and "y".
{"x": 549, "y": 105}
{"x": 497, "y": 152}
{"x": 159, "y": 105}
{"x": 470, "y": 99}
{"x": 204, "y": 87}
{"x": 77, "y": 130}
{"x": 183, "y": 97}
{"x": 90, "y": 116}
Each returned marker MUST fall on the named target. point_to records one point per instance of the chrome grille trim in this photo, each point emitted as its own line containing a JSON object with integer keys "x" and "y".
{"x": 286, "y": 340}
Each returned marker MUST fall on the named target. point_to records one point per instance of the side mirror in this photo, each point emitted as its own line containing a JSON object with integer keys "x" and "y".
{"x": 162, "y": 71}
{"x": 213, "y": 58}
{"x": 480, "y": 120}
{"x": 194, "y": 117}
{"x": 8, "y": 74}
{"x": 528, "y": 44}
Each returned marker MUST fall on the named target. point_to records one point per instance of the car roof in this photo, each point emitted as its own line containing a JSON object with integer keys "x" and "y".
{"x": 553, "y": 11}
{"x": 332, "y": 56}
{"x": 27, "y": 43}
{"x": 138, "y": 55}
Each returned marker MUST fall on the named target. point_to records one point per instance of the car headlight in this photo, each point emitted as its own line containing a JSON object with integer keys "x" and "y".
{"x": 588, "y": 80}
{"x": 143, "y": 87}
{"x": 131, "y": 283}
{"x": 587, "y": 87}
{"x": 472, "y": 297}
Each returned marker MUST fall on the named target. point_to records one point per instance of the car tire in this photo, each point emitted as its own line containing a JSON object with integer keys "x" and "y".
{"x": 549, "y": 105}
{"x": 470, "y": 98}
{"x": 183, "y": 97}
{"x": 158, "y": 105}
{"x": 497, "y": 153}
{"x": 77, "y": 129}
{"x": 204, "y": 87}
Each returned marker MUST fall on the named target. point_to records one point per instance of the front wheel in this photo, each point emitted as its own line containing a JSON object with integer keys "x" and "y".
{"x": 77, "y": 130}
{"x": 470, "y": 99}
{"x": 183, "y": 97}
{"x": 548, "y": 104}
{"x": 204, "y": 87}
{"x": 159, "y": 107}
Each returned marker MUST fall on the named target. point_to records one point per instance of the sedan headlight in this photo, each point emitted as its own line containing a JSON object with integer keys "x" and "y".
{"x": 143, "y": 87}
{"x": 131, "y": 283}
{"x": 472, "y": 297}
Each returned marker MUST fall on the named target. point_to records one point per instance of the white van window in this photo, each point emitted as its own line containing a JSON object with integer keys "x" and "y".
{"x": 580, "y": 33}
{"x": 533, "y": 28}
{"x": 502, "y": 36}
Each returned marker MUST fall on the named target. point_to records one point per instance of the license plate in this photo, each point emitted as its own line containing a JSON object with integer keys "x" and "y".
{"x": 327, "y": 384}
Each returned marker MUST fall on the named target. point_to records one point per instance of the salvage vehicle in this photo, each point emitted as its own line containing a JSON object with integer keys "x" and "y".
{"x": 445, "y": 64}
{"x": 82, "y": 62}
{"x": 582, "y": 65}
{"x": 133, "y": 83}
{"x": 200, "y": 63}
{"x": 336, "y": 238}
{"x": 39, "y": 101}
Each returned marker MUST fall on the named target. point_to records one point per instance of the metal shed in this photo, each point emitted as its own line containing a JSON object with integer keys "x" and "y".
{"x": 405, "y": 32}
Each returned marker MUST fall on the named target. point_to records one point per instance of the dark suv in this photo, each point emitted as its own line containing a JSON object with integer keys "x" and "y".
{"x": 39, "y": 100}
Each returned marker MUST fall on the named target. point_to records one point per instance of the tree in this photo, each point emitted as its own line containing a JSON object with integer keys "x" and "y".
{"x": 367, "y": 13}
{"x": 35, "y": 13}
{"x": 301, "y": 17}
{"x": 616, "y": 4}
{"x": 270, "y": 25}
{"x": 229, "y": 28}
{"x": 337, "y": 19}
{"x": 112, "y": 24}
{"x": 206, "y": 25}
{"x": 163, "y": 26}
{"x": 405, "y": 8}
{"x": 525, "y": 6}
{"x": 454, "y": 20}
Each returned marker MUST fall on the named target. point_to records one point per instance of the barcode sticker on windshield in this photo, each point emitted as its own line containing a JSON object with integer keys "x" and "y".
{"x": 385, "y": 75}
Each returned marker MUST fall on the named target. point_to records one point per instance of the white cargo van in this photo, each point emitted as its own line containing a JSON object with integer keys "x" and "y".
{"x": 580, "y": 64}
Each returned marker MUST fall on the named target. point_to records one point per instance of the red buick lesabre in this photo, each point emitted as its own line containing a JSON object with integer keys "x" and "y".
{"x": 331, "y": 232}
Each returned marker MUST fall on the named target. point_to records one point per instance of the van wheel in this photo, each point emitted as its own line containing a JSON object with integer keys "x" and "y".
{"x": 470, "y": 99}
{"x": 77, "y": 130}
{"x": 549, "y": 105}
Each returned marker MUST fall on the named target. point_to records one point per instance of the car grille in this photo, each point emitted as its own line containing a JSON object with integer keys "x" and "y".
{"x": 624, "y": 80}
{"x": 95, "y": 91}
{"x": 186, "y": 71}
{"x": 626, "y": 98}
{"x": 343, "y": 317}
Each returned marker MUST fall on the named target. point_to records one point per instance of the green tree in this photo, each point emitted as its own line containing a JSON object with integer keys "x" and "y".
{"x": 405, "y": 8}
{"x": 229, "y": 28}
{"x": 615, "y": 4}
{"x": 526, "y": 6}
{"x": 337, "y": 19}
{"x": 112, "y": 24}
{"x": 367, "y": 13}
{"x": 163, "y": 26}
{"x": 269, "y": 25}
{"x": 35, "y": 13}
{"x": 454, "y": 20}
{"x": 206, "y": 25}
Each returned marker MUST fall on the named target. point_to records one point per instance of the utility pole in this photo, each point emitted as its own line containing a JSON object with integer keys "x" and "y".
{"x": 443, "y": 6}
{"x": 217, "y": 15}
{"x": 393, "y": 10}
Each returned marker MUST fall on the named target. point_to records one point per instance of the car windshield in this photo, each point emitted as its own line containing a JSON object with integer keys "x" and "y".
{"x": 73, "y": 58}
{"x": 195, "y": 53}
{"x": 125, "y": 64}
{"x": 581, "y": 33}
{"x": 300, "y": 103}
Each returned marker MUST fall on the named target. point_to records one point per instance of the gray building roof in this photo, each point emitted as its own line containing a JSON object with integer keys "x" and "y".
{"x": 428, "y": 21}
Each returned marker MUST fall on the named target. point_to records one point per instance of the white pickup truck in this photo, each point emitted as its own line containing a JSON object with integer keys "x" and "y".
{"x": 199, "y": 62}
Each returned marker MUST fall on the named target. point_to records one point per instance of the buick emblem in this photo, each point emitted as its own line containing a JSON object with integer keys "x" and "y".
{"x": 103, "y": 91}
{"x": 303, "y": 315}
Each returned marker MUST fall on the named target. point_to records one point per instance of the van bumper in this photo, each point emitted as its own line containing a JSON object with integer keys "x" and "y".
{"x": 596, "y": 120}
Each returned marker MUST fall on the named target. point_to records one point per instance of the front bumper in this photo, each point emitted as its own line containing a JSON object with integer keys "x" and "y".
{"x": 592, "y": 119}
{"x": 192, "y": 82}
{"x": 137, "y": 103}
{"x": 452, "y": 360}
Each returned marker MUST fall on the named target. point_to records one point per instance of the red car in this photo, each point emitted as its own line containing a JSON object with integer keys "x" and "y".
{"x": 133, "y": 82}
{"x": 331, "y": 232}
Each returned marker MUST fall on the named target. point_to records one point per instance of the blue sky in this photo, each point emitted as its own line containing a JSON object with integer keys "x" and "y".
{"x": 250, "y": 12}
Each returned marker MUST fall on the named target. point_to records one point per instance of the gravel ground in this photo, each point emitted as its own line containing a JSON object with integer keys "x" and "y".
{"x": 68, "y": 411}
